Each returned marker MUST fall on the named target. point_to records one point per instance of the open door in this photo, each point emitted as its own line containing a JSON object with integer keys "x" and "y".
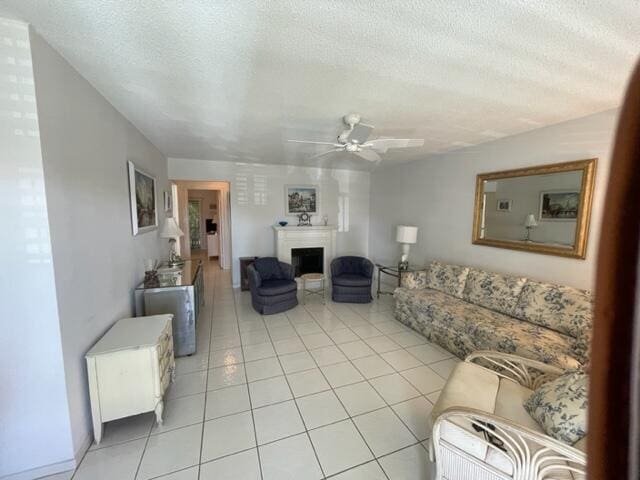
{"x": 614, "y": 397}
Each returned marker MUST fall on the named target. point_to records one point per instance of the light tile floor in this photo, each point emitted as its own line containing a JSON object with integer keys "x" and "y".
{"x": 338, "y": 391}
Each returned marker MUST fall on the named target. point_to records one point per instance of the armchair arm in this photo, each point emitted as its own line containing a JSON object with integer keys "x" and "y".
{"x": 367, "y": 268}
{"x": 336, "y": 267}
{"x": 254, "y": 277}
{"x": 528, "y": 373}
{"x": 532, "y": 455}
{"x": 288, "y": 271}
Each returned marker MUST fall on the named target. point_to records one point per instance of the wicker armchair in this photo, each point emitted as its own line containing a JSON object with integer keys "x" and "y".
{"x": 481, "y": 430}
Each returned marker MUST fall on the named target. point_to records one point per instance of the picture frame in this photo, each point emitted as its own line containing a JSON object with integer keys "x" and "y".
{"x": 302, "y": 199}
{"x": 559, "y": 205}
{"x": 143, "y": 200}
{"x": 504, "y": 205}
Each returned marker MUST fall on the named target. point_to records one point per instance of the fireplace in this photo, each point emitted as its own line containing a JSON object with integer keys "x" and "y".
{"x": 307, "y": 260}
{"x": 319, "y": 237}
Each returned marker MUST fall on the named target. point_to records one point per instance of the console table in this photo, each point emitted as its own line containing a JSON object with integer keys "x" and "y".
{"x": 181, "y": 293}
{"x": 393, "y": 271}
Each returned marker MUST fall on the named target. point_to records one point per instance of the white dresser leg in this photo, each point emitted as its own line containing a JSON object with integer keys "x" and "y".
{"x": 97, "y": 431}
{"x": 159, "y": 409}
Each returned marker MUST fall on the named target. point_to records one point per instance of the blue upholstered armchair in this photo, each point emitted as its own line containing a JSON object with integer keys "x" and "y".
{"x": 351, "y": 279}
{"x": 273, "y": 285}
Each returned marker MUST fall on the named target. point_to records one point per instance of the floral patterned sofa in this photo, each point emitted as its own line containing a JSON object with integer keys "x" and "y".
{"x": 465, "y": 309}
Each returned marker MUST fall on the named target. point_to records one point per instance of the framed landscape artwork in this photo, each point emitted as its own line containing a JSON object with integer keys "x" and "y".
{"x": 142, "y": 192}
{"x": 302, "y": 198}
{"x": 559, "y": 205}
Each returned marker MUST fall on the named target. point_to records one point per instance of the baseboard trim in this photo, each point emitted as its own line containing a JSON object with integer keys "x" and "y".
{"x": 54, "y": 468}
{"x": 44, "y": 471}
{"x": 82, "y": 450}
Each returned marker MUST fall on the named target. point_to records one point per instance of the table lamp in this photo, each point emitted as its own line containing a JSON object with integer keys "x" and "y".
{"x": 529, "y": 223}
{"x": 406, "y": 235}
{"x": 172, "y": 231}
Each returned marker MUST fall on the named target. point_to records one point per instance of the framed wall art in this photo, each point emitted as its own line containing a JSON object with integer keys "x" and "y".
{"x": 142, "y": 194}
{"x": 302, "y": 199}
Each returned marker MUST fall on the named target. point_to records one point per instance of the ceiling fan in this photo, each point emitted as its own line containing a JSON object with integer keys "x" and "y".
{"x": 354, "y": 140}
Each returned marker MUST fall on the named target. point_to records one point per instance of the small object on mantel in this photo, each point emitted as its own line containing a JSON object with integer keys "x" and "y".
{"x": 283, "y": 223}
{"x": 304, "y": 220}
{"x": 325, "y": 219}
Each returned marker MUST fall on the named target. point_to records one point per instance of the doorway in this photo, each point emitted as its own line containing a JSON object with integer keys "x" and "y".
{"x": 204, "y": 215}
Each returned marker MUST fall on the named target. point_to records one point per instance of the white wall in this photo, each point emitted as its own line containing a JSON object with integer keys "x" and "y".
{"x": 35, "y": 432}
{"x": 437, "y": 195}
{"x": 97, "y": 261}
{"x": 258, "y": 202}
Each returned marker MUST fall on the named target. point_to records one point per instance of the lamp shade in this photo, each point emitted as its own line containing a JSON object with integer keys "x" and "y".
{"x": 530, "y": 221}
{"x": 406, "y": 234}
{"x": 170, "y": 229}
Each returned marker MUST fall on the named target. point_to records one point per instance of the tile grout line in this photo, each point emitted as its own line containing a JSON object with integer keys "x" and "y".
{"x": 304, "y": 424}
{"x": 253, "y": 420}
{"x": 213, "y": 278}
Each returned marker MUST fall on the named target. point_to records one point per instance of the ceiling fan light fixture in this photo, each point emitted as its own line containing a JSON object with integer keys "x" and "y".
{"x": 351, "y": 119}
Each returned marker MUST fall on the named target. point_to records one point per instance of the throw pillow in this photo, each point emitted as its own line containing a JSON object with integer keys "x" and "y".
{"x": 560, "y": 406}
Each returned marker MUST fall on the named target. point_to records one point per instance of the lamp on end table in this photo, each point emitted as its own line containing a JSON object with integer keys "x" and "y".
{"x": 172, "y": 231}
{"x": 406, "y": 235}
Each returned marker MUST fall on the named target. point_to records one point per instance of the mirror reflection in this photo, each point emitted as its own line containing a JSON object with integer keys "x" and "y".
{"x": 536, "y": 208}
{"x": 544, "y": 209}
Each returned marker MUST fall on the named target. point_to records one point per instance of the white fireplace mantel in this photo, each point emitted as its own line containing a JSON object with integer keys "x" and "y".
{"x": 319, "y": 236}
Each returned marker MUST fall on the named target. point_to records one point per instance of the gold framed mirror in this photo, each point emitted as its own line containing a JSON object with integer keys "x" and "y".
{"x": 543, "y": 209}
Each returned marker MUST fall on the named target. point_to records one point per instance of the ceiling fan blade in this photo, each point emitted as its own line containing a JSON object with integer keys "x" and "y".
{"x": 326, "y": 153}
{"x": 333, "y": 144}
{"x": 360, "y": 133}
{"x": 369, "y": 155}
{"x": 383, "y": 144}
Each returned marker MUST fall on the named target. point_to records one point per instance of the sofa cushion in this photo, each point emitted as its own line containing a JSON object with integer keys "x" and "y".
{"x": 564, "y": 309}
{"x": 276, "y": 287}
{"x": 268, "y": 268}
{"x": 510, "y": 404}
{"x": 351, "y": 280}
{"x": 560, "y": 406}
{"x": 449, "y": 279}
{"x": 469, "y": 386}
{"x": 492, "y": 290}
{"x": 462, "y": 328}
{"x": 510, "y": 335}
{"x": 414, "y": 280}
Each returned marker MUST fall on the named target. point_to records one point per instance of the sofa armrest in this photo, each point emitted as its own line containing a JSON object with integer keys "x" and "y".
{"x": 528, "y": 373}
{"x": 414, "y": 280}
{"x": 288, "y": 271}
{"x": 255, "y": 281}
{"x": 530, "y": 454}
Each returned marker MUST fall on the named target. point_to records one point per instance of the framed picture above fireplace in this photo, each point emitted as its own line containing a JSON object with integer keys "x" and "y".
{"x": 302, "y": 199}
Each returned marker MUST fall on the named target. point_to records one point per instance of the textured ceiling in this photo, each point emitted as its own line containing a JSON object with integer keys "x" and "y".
{"x": 232, "y": 80}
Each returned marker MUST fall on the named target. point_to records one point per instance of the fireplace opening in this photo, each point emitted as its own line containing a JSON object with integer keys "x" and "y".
{"x": 307, "y": 260}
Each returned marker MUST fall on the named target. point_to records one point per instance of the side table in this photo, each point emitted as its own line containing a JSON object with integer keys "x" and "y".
{"x": 312, "y": 277}
{"x": 393, "y": 271}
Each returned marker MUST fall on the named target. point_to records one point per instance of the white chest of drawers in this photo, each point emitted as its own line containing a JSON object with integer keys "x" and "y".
{"x": 129, "y": 369}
